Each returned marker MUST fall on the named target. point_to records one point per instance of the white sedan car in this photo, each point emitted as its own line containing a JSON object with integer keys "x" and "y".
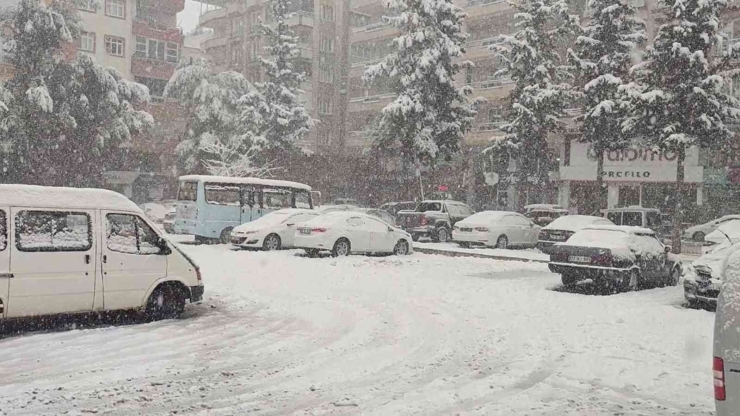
{"x": 499, "y": 229}
{"x": 346, "y": 232}
{"x": 273, "y": 231}
{"x": 698, "y": 232}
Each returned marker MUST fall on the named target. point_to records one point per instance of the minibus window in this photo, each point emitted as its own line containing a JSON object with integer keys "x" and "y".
{"x": 53, "y": 231}
{"x": 188, "y": 191}
{"x": 277, "y": 198}
{"x": 129, "y": 234}
{"x": 632, "y": 218}
{"x": 222, "y": 194}
{"x": 302, "y": 199}
{"x": 3, "y": 231}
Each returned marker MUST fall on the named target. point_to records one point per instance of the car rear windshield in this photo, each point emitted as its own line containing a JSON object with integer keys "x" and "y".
{"x": 429, "y": 206}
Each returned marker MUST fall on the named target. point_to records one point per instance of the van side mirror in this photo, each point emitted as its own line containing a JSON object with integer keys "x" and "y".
{"x": 164, "y": 248}
{"x": 390, "y": 229}
{"x": 667, "y": 249}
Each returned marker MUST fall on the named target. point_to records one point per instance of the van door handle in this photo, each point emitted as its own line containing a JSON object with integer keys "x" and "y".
{"x": 105, "y": 258}
{"x": 87, "y": 259}
{"x": 6, "y": 275}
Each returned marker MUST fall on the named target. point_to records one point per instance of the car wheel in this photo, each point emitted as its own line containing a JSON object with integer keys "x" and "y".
{"x": 341, "y": 248}
{"x": 271, "y": 243}
{"x": 568, "y": 280}
{"x": 698, "y": 236}
{"x": 226, "y": 235}
{"x": 630, "y": 281}
{"x": 674, "y": 277}
{"x": 312, "y": 252}
{"x": 464, "y": 244}
{"x": 401, "y": 248}
{"x": 502, "y": 242}
{"x": 166, "y": 302}
{"x": 442, "y": 235}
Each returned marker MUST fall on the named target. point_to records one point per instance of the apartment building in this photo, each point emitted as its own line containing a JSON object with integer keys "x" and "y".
{"x": 322, "y": 28}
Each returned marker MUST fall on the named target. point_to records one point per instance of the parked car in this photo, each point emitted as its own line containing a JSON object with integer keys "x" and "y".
{"x": 382, "y": 214}
{"x": 543, "y": 214}
{"x": 499, "y": 229}
{"x": 698, "y": 232}
{"x": 345, "y": 201}
{"x": 563, "y": 228}
{"x": 274, "y": 231}
{"x": 433, "y": 219}
{"x": 169, "y": 221}
{"x": 726, "y": 363}
{"x": 729, "y": 230}
{"x": 348, "y": 232}
{"x": 70, "y": 249}
{"x": 702, "y": 279}
{"x": 623, "y": 256}
{"x": 394, "y": 207}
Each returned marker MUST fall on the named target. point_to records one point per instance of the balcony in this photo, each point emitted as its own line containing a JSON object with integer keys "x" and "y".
{"x": 151, "y": 68}
{"x": 481, "y": 48}
{"x": 154, "y": 30}
{"x": 207, "y": 18}
{"x": 378, "y": 30}
{"x": 370, "y": 103}
{"x": 214, "y": 43}
{"x": 474, "y": 3}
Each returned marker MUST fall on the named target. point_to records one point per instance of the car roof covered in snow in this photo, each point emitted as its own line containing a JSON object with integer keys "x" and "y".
{"x": 244, "y": 181}
{"x": 292, "y": 211}
{"x": 32, "y": 196}
{"x": 623, "y": 228}
{"x": 543, "y": 206}
{"x": 631, "y": 208}
{"x": 575, "y": 222}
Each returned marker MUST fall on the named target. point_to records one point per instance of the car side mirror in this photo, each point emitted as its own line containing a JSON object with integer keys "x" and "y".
{"x": 164, "y": 248}
{"x": 390, "y": 229}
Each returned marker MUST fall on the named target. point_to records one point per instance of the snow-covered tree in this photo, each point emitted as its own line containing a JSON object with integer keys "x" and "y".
{"x": 234, "y": 161}
{"x": 602, "y": 59}
{"x": 214, "y": 112}
{"x": 67, "y": 117}
{"x": 531, "y": 58}
{"x": 430, "y": 115}
{"x": 273, "y": 113}
{"x": 678, "y": 100}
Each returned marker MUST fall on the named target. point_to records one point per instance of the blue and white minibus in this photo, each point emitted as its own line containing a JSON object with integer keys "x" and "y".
{"x": 209, "y": 207}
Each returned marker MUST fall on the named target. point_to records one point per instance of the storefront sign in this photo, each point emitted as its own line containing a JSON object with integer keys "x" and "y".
{"x": 631, "y": 165}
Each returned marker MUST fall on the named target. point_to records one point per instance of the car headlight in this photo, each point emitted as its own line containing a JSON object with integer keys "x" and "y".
{"x": 482, "y": 229}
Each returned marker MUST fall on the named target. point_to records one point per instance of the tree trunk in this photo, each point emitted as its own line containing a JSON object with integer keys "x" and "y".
{"x": 601, "y": 192}
{"x": 678, "y": 207}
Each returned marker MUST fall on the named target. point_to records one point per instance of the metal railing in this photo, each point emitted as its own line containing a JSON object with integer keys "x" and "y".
{"x": 483, "y": 2}
{"x": 371, "y": 27}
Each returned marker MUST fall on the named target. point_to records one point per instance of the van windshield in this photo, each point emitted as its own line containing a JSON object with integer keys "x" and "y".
{"x": 188, "y": 191}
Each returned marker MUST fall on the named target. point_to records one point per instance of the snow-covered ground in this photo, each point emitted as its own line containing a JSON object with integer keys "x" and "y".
{"x": 521, "y": 254}
{"x": 422, "y": 334}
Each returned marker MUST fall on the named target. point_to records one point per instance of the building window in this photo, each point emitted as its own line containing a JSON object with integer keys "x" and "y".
{"x": 87, "y": 42}
{"x": 115, "y": 8}
{"x": 157, "y": 49}
{"x": 326, "y": 74}
{"x": 327, "y": 13}
{"x": 5, "y": 55}
{"x": 236, "y": 53}
{"x": 254, "y": 20}
{"x": 254, "y": 51}
{"x": 325, "y": 106}
{"x": 155, "y": 85}
{"x": 327, "y": 44}
{"x": 115, "y": 46}
{"x": 86, "y": 5}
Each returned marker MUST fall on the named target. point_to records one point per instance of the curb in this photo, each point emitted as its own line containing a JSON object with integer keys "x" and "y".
{"x": 475, "y": 255}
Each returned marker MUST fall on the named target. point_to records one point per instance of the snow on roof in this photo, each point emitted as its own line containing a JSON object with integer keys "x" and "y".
{"x": 64, "y": 198}
{"x": 244, "y": 181}
{"x": 575, "y": 222}
{"x": 623, "y": 228}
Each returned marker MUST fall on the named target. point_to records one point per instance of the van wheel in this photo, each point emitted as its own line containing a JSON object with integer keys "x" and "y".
{"x": 166, "y": 302}
{"x": 226, "y": 235}
{"x": 272, "y": 242}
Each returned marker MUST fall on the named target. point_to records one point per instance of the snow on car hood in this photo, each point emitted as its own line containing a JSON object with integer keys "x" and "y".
{"x": 730, "y": 229}
{"x": 575, "y": 222}
{"x": 712, "y": 259}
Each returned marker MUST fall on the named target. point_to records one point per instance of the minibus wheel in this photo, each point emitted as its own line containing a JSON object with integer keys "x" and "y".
{"x": 166, "y": 302}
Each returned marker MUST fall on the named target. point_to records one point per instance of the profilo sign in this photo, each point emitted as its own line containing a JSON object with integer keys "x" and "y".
{"x": 630, "y": 165}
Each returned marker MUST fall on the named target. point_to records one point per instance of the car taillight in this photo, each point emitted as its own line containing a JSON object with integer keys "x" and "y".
{"x": 602, "y": 259}
{"x": 719, "y": 379}
{"x": 424, "y": 220}
{"x": 481, "y": 229}
{"x": 197, "y": 274}
{"x": 318, "y": 230}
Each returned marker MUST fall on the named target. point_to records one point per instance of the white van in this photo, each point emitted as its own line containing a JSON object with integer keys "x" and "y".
{"x": 726, "y": 363}
{"x": 66, "y": 250}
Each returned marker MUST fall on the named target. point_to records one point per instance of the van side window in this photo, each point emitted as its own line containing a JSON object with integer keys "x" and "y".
{"x": 129, "y": 234}
{"x": 3, "y": 231}
{"x": 188, "y": 191}
{"x": 53, "y": 231}
{"x": 302, "y": 199}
